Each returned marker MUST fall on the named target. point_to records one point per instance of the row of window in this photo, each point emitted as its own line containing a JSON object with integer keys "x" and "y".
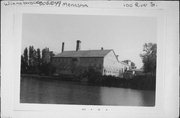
{"x": 61, "y": 59}
{"x": 95, "y": 66}
{"x": 111, "y": 71}
{"x": 69, "y": 60}
{"x": 84, "y": 60}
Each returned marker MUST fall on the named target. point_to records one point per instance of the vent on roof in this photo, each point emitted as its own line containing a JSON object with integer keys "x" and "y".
{"x": 78, "y": 45}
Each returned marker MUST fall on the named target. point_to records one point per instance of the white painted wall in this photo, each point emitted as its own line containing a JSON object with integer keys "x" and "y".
{"x": 112, "y": 65}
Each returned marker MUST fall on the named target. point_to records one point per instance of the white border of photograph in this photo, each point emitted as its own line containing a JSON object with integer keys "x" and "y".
{"x": 166, "y": 88}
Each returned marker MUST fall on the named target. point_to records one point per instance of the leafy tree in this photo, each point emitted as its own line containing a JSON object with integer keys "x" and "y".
{"x": 26, "y": 56}
{"x": 24, "y": 60}
{"x": 33, "y": 63}
{"x": 149, "y": 57}
{"x": 30, "y": 55}
{"x": 23, "y": 68}
{"x": 32, "y": 60}
{"x": 38, "y": 60}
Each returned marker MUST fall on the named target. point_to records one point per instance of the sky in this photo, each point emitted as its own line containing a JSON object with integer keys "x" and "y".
{"x": 126, "y": 35}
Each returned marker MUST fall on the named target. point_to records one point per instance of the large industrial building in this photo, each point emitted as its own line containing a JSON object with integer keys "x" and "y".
{"x": 78, "y": 61}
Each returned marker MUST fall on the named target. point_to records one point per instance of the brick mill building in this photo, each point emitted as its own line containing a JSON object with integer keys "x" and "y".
{"x": 78, "y": 61}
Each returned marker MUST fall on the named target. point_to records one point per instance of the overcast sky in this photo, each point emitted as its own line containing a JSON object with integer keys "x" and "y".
{"x": 124, "y": 34}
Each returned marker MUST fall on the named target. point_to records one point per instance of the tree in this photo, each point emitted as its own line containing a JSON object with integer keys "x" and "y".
{"x": 38, "y": 60}
{"x": 149, "y": 57}
{"x": 33, "y": 64}
{"x": 23, "y": 68}
{"x": 24, "y": 61}
{"x": 30, "y": 56}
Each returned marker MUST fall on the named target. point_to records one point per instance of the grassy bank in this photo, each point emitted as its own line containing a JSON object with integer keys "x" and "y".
{"x": 138, "y": 82}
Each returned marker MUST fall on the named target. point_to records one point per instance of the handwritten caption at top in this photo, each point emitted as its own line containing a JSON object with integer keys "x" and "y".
{"x": 45, "y": 3}
{"x": 140, "y": 4}
{"x": 77, "y": 5}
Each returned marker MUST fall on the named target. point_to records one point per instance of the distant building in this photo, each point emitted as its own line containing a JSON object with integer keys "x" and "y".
{"x": 130, "y": 64}
{"x": 125, "y": 66}
{"x": 76, "y": 62}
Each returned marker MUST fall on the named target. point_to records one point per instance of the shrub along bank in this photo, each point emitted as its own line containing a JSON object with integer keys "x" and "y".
{"x": 137, "y": 82}
{"x": 143, "y": 82}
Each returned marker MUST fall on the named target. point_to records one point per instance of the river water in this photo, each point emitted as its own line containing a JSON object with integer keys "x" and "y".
{"x": 64, "y": 92}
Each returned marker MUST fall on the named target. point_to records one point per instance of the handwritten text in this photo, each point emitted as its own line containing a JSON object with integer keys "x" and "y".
{"x": 45, "y": 3}
{"x": 140, "y": 4}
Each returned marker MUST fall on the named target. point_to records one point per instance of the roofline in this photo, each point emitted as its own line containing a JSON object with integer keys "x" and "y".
{"x": 108, "y": 52}
{"x": 85, "y": 50}
{"x": 114, "y": 55}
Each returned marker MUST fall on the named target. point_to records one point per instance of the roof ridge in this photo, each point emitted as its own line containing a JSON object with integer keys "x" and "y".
{"x": 84, "y": 53}
{"x": 87, "y": 50}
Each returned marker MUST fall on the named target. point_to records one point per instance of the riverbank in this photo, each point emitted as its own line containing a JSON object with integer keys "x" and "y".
{"x": 138, "y": 82}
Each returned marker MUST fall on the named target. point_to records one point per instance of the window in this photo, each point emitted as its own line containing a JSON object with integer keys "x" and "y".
{"x": 104, "y": 70}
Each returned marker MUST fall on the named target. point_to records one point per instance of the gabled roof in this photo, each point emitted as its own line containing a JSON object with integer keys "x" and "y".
{"x": 83, "y": 53}
{"x": 124, "y": 63}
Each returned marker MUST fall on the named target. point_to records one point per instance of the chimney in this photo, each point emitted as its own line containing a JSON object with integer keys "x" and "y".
{"x": 117, "y": 56}
{"x": 78, "y": 45}
{"x": 62, "y": 47}
{"x": 102, "y": 48}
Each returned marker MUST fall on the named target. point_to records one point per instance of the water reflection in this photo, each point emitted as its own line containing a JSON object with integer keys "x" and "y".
{"x": 61, "y": 92}
{"x": 126, "y": 97}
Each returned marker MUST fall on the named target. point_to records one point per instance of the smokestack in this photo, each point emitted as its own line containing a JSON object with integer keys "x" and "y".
{"x": 62, "y": 47}
{"x": 78, "y": 45}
